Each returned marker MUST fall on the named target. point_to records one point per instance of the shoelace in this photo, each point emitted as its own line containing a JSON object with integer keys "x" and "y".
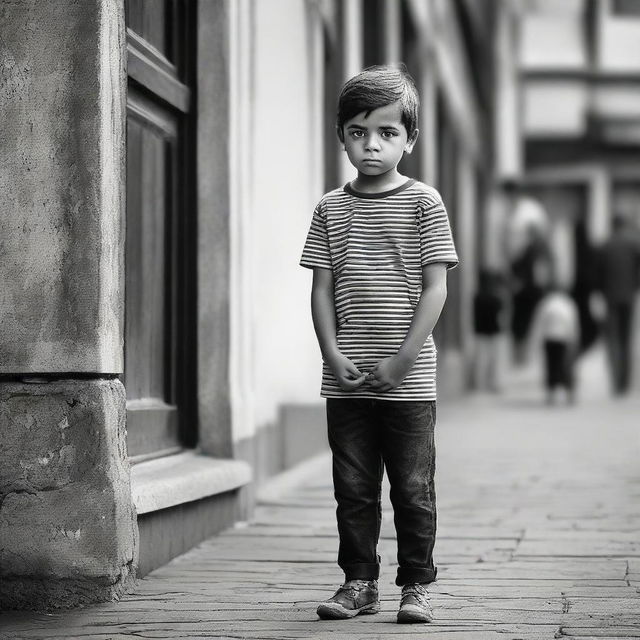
{"x": 354, "y": 586}
{"x": 418, "y": 592}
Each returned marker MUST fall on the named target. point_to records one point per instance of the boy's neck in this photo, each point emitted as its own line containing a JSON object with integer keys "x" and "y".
{"x": 378, "y": 184}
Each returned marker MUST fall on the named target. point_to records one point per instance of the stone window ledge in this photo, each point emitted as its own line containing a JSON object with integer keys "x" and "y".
{"x": 185, "y": 477}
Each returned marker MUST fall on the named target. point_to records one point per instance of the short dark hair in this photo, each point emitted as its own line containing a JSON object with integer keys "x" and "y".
{"x": 377, "y": 87}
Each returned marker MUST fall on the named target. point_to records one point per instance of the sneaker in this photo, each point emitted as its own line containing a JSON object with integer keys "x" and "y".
{"x": 414, "y": 604}
{"x": 352, "y": 598}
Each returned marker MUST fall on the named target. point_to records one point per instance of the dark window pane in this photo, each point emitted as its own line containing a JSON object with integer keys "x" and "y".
{"x": 152, "y": 416}
{"x": 145, "y": 259}
{"x": 411, "y": 164}
{"x": 626, "y": 7}
{"x": 373, "y": 27}
{"x": 151, "y": 20}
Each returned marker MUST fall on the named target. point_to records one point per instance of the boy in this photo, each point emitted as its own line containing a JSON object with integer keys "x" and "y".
{"x": 557, "y": 325}
{"x": 379, "y": 248}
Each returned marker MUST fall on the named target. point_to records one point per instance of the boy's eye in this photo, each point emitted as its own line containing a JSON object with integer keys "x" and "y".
{"x": 388, "y": 134}
{"x": 357, "y": 134}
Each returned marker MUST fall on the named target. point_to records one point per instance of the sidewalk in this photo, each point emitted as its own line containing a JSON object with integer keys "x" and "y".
{"x": 539, "y": 538}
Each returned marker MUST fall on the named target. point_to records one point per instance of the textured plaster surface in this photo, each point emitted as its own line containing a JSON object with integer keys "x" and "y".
{"x": 65, "y": 498}
{"x": 214, "y": 335}
{"x": 61, "y": 180}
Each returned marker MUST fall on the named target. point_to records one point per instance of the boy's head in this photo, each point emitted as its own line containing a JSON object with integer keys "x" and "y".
{"x": 377, "y": 87}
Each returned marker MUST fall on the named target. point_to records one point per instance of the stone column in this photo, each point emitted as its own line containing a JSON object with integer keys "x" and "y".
{"x": 67, "y": 526}
{"x": 214, "y": 224}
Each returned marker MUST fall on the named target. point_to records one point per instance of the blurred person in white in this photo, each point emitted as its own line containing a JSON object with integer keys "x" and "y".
{"x": 556, "y": 327}
{"x": 617, "y": 279}
{"x": 530, "y": 258}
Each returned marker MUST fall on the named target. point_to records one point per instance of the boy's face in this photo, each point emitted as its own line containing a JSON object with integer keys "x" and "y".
{"x": 376, "y": 143}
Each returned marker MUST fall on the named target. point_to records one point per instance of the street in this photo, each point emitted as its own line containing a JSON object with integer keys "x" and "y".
{"x": 539, "y": 538}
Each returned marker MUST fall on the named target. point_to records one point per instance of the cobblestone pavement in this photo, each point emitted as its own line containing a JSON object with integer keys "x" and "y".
{"x": 539, "y": 537}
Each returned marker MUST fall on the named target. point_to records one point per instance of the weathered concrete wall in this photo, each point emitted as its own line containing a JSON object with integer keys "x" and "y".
{"x": 61, "y": 176}
{"x": 67, "y": 525}
{"x": 66, "y": 521}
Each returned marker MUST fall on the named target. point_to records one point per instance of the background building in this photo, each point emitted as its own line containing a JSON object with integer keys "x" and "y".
{"x": 175, "y": 306}
{"x": 579, "y": 69}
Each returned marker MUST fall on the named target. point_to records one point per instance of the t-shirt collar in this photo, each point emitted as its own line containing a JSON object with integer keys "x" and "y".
{"x": 381, "y": 194}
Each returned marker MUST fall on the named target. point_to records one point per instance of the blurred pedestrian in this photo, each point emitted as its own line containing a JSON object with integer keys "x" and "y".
{"x": 618, "y": 276}
{"x": 556, "y": 326}
{"x": 380, "y": 248}
{"x": 584, "y": 286}
{"x": 488, "y": 323}
{"x": 530, "y": 275}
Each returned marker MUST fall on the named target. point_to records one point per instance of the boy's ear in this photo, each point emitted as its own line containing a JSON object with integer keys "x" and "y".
{"x": 408, "y": 148}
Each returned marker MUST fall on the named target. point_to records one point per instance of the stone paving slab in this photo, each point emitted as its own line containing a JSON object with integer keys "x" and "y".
{"x": 539, "y": 538}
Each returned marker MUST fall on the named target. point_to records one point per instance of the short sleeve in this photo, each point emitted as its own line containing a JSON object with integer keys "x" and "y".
{"x": 436, "y": 239}
{"x": 316, "y": 248}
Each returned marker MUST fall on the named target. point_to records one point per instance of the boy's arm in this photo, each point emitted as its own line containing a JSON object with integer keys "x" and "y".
{"x": 390, "y": 372}
{"x": 324, "y": 323}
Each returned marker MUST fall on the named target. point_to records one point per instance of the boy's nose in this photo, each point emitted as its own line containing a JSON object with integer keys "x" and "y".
{"x": 373, "y": 142}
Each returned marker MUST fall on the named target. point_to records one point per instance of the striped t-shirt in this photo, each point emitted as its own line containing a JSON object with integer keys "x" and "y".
{"x": 376, "y": 245}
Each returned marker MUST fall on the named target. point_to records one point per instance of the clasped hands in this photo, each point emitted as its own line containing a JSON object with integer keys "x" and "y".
{"x": 385, "y": 375}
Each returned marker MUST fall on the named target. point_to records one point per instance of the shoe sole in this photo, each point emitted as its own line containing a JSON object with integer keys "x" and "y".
{"x": 411, "y": 617}
{"x": 335, "y": 611}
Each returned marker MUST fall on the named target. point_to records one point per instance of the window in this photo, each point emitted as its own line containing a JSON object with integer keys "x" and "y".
{"x": 629, "y": 8}
{"x": 159, "y": 270}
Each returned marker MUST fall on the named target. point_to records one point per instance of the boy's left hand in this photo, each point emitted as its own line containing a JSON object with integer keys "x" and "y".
{"x": 389, "y": 373}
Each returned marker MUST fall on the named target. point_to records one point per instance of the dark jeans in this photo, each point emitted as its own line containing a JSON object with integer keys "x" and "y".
{"x": 559, "y": 364}
{"x": 364, "y": 435}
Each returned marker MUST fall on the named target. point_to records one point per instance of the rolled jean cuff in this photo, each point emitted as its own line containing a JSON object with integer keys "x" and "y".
{"x": 409, "y": 575}
{"x": 361, "y": 571}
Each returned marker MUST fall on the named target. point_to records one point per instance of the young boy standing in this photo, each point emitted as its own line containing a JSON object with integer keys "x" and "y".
{"x": 379, "y": 248}
{"x": 557, "y": 325}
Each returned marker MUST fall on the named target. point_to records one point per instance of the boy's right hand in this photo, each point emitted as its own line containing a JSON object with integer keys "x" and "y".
{"x": 346, "y": 372}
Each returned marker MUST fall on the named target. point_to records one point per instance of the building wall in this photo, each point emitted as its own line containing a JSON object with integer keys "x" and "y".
{"x": 276, "y": 116}
{"x": 56, "y": 142}
{"x": 66, "y": 520}
{"x": 581, "y": 63}
{"x": 579, "y": 79}
{"x": 286, "y": 156}
{"x": 618, "y": 40}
